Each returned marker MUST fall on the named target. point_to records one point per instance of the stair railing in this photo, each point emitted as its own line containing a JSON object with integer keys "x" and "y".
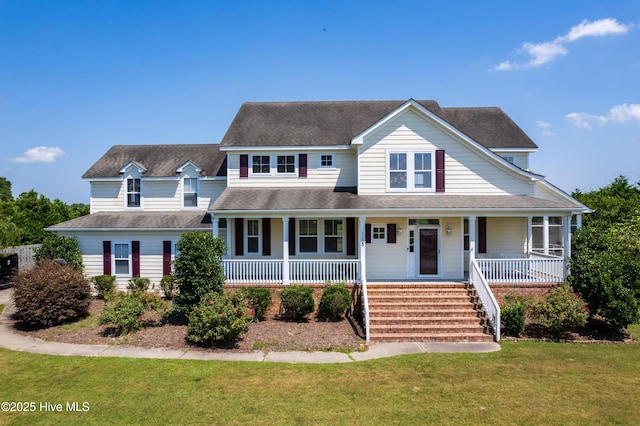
{"x": 491, "y": 307}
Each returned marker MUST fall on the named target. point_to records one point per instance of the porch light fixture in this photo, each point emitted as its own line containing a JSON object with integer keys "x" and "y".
{"x": 399, "y": 229}
{"x": 449, "y": 229}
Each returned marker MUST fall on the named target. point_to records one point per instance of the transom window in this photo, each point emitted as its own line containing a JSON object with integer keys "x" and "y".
{"x": 286, "y": 163}
{"x": 261, "y": 164}
{"x": 253, "y": 235}
{"x": 121, "y": 259}
{"x": 190, "y": 192}
{"x": 133, "y": 192}
{"x": 411, "y": 171}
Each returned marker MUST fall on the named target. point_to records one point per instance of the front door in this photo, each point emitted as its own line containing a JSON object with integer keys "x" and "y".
{"x": 428, "y": 238}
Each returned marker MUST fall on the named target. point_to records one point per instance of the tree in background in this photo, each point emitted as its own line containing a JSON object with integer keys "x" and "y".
{"x": 605, "y": 254}
{"x": 198, "y": 268}
{"x": 9, "y": 234}
{"x": 5, "y": 189}
{"x": 56, "y": 246}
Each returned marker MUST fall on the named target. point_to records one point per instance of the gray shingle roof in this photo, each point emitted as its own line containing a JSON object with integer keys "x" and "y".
{"x": 337, "y": 122}
{"x": 138, "y": 220}
{"x": 262, "y": 199}
{"x": 160, "y": 160}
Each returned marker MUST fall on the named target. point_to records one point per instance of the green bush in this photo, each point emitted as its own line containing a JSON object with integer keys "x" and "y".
{"x": 198, "y": 268}
{"x": 49, "y": 294}
{"x": 259, "y": 299}
{"x": 105, "y": 285}
{"x": 169, "y": 287}
{"x": 139, "y": 285}
{"x": 512, "y": 316}
{"x": 560, "y": 309}
{"x": 335, "y": 300}
{"x": 297, "y": 302}
{"x": 218, "y": 319}
{"x": 56, "y": 246}
{"x": 125, "y": 313}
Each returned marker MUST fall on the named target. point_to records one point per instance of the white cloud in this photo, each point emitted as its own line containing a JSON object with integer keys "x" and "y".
{"x": 40, "y": 154}
{"x": 541, "y": 53}
{"x": 618, "y": 114}
{"x": 545, "y": 128}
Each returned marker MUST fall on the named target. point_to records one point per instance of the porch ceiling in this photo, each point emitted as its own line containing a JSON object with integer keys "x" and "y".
{"x": 295, "y": 199}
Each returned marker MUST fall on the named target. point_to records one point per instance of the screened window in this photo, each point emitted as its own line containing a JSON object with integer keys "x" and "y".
{"x": 308, "y": 235}
{"x": 286, "y": 163}
{"x": 333, "y": 236}
{"x": 133, "y": 192}
{"x": 190, "y": 192}
{"x": 556, "y": 236}
{"x": 260, "y": 164}
{"x": 537, "y": 234}
{"x": 253, "y": 236}
{"x": 121, "y": 259}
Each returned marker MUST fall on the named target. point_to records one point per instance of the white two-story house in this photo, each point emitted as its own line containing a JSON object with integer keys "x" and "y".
{"x": 362, "y": 191}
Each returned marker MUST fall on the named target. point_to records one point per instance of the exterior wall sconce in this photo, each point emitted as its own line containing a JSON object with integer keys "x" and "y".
{"x": 449, "y": 229}
{"x": 399, "y": 228}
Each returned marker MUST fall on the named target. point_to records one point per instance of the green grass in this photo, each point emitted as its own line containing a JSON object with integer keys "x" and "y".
{"x": 524, "y": 383}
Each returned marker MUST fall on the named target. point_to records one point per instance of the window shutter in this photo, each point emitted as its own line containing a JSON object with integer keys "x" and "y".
{"x": 292, "y": 236}
{"x": 367, "y": 232}
{"x": 239, "y": 233}
{"x": 106, "y": 257}
{"x": 302, "y": 165}
{"x": 391, "y": 233}
{"x": 244, "y": 166}
{"x": 166, "y": 258}
{"x": 135, "y": 257}
{"x": 440, "y": 170}
{"x": 266, "y": 236}
{"x": 351, "y": 236}
{"x": 482, "y": 234}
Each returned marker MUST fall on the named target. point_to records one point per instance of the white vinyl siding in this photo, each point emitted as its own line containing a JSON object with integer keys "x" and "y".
{"x": 343, "y": 173}
{"x": 107, "y": 196}
{"x": 466, "y": 170}
{"x": 506, "y": 236}
{"x": 161, "y": 195}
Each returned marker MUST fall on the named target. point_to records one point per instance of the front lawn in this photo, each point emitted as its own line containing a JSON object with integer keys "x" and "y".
{"x": 524, "y": 383}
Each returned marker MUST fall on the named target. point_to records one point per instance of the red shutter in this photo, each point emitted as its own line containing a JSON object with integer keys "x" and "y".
{"x": 135, "y": 258}
{"x": 440, "y": 170}
{"x": 266, "y": 236}
{"x": 482, "y": 234}
{"x": 351, "y": 236}
{"x": 367, "y": 232}
{"x": 106, "y": 257}
{"x": 292, "y": 236}
{"x": 244, "y": 166}
{"x": 166, "y": 258}
{"x": 302, "y": 165}
{"x": 239, "y": 234}
{"x": 391, "y": 233}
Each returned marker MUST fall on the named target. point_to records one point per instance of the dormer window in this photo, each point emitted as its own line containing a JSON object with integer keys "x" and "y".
{"x": 286, "y": 163}
{"x": 190, "y": 192}
{"x": 261, "y": 164}
{"x": 133, "y": 192}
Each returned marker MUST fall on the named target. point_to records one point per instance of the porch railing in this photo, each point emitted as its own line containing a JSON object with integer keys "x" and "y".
{"x": 256, "y": 271}
{"x": 536, "y": 269}
{"x": 489, "y": 303}
{"x": 319, "y": 271}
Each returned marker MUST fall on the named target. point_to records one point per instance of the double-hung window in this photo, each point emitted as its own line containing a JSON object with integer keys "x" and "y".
{"x": 190, "y": 192}
{"x": 261, "y": 164}
{"x": 333, "y": 235}
{"x": 411, "y": 171}
{"x": 422, "y": 172}
{"x": 308, "y": 235}
{"x": 253, "y": 236}
{"x": 398, "y": 170}
{"x": 122, "y": 259}
{"x": 133, "y": 192}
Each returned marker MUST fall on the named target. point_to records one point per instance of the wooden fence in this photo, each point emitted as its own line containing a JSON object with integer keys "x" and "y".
{"x": 25, "y": 254}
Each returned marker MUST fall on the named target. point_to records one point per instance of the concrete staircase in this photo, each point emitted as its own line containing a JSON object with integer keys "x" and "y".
{"x": 426, "y": 312}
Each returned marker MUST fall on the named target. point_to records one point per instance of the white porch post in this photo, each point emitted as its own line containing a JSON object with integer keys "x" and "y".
{"x": 578, "y": 221}
{"x": 472, "y": 239}
{"x": 529, "y": 235}
{"x": 567, "y": 244}
{"x": 229, "y": 232}
{"x": 214, "y": 227}
{"x": 362, "y": 255}
{"x": 286, "y": 280}
{"x": 545, "y": 233}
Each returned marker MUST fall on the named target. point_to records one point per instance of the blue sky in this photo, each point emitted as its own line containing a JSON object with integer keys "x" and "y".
{"x": 77, "y": 77}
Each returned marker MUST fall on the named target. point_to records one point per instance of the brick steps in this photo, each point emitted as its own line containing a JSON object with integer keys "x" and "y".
{"x": 426, "y": 312}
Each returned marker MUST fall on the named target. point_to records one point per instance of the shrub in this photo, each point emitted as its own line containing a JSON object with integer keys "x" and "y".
{"x": 560, "y": 309}
{"x": 218, "y": 319}
{"x": 198, "y": 269}
{"x": 297, "y": 302}
{"x": 512, "y": 316}
{"x": 56, "y": 246}
{"x": 125, "y": 312}
{"x": 138, "y": 285}
{"x": 335, "y": 300}
{"x": 50, "y": 294}
{"x": 168, "y": 287}
{"x": 105, "y": 285}
{"x": 259, "y": 299}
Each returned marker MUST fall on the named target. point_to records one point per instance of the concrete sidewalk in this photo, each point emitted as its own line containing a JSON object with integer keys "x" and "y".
{"x": 18, "y": 342}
